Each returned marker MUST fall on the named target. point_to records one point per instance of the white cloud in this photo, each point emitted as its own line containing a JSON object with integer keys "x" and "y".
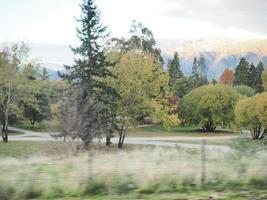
{"x": 171, "y": 19}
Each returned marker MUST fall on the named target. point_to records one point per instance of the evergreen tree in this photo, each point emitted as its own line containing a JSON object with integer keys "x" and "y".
{"x": 88, "y": 76}
{"x": 203, "y": 70}
{"x": 259, "y": 82}
{"x": 253, "y": 76}
{"x": 195, "y": 68}
{"x": 242, "y": 73}
{"x": 199, "y": 71}
{"x": 175, "y": 69}
{"x": 91, "y": 64}
{"x": 44, "y": 74}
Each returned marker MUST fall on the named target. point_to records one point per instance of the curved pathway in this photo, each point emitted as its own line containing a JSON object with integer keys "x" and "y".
{"x": 167, "y": 141}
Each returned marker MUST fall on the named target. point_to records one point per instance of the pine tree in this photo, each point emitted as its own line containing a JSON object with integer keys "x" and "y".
{"x": 88, "y": 76}
{"x": 91, "y": 64}
{"x": 44, "y": 74}
{"x": 242, "y": 73}
{"x": 253, "y": 76}
{"x": 175, "y": 69}
{"x": 203, "y": 70}
{"x": 199, "y": 71}
{"x": 258, "y": 78}
{"x": 195, "y": 68}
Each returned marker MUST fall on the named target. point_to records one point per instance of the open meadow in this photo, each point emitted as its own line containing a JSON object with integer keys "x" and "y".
{"x": 56, "y": 170}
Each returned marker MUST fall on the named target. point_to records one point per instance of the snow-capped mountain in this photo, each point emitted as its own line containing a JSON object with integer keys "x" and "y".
{"x": 220, "y": 53}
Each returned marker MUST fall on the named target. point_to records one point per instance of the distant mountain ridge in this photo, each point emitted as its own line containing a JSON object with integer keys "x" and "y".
{"x": 220, "y": 53}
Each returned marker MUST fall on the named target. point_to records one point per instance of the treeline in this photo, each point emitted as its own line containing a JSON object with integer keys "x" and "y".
{"x": 224, "y": 103}
{"x": 246, "y": 76}
{"x": 25, "y": 91}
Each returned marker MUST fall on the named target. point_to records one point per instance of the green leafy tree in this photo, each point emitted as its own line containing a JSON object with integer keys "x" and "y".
{"x": 141, "y": 39}
{"x": 44, "y": 74}
{"x": 182, "y": 86}
{"x": 174, "y": 69}
{"x": 242, "y": 73}
{"x": 209, "y": 106}
{"x": 36, "y": 106}
{"x": 261, "y": 108}
{"x": 264, "y": 79}
{"x": 245, "y": 90}
{"x": 11, "y": 82}
{"x": 141, "y": 86}
{"x": 250, "y": 113}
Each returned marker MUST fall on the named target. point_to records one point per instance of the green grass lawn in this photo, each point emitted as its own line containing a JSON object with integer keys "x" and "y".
{"x": 15, "y": 133}
{"x": 27, "y": 149}
{"x": 154, "y": 130}
{"x": 43, "y": 126}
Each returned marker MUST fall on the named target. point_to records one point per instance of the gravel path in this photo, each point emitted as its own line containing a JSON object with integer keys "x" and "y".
{"x": 172, "y": 141}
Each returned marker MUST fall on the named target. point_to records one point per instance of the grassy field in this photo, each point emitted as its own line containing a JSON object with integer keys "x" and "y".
{"x": 152, "y": 131}
{"x": 14, "y": 133}
{"x": 39, "y": 170}
{"x": 25, "y": 149}
{"x": 44, "y": 126}
{"x": 29, "y": 149}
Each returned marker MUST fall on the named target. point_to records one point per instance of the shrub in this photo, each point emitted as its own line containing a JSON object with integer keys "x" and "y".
{"x": 245, "y": 90}
{"x": 209, "y": 106}
{"x": 251, "y": 113}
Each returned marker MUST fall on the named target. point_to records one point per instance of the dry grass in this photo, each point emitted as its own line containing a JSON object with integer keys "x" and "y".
{"x": 140, "y": 170}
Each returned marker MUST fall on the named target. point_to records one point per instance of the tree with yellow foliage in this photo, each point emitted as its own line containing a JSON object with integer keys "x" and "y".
{"x": 264, "y": 78}
{"x": 143, "y": 90}
{"x": 251, "y": 113}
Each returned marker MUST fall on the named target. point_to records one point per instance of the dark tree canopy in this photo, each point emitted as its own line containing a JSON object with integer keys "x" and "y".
{"x": 250, "y": 75}
{"x": 242, "y": 73}
{"x": 174, "y": 69}
{"x": 88, "y": 75}
{"x": 259, "y": 82}
{"x": 200, "y": 71}
{"x": 141, "y": 40}
{"x": 90, "y": 63}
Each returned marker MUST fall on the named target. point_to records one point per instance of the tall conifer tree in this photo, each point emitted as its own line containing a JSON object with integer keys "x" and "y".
{"x": 259, "y": 82}
{"x": 242, "y": 73}
{"x": 91, "y": 96}
{"x": 175, "y": 71}
{"x": 90, "y": 65}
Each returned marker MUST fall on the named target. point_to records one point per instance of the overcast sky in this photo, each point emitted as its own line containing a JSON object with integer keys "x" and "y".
{"x": 52, "y": 21}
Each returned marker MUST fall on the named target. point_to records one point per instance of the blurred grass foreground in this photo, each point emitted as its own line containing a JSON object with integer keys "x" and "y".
{"x": 137, "y": 173}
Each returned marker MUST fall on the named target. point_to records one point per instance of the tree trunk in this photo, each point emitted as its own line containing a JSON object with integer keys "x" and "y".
{"x": 5, "y": 126}
{"x": 108, "y": 140}
{"x": 5, "y": 115}
{"x": 32, "y": 123}
{"x": 122, "y": 134}
{"x": 209, "y": 127}
{"x": 4, "y": 134}
{"x": 257, "y": 133}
